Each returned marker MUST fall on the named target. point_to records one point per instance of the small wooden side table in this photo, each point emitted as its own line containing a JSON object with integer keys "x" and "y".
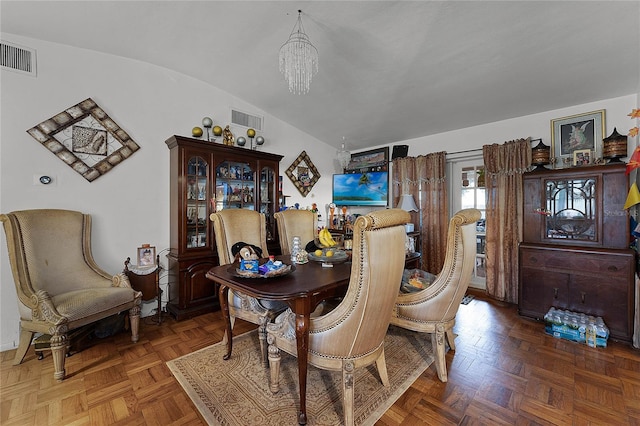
{"x": 412, "y": 260}
{"x": 147, "y": 280}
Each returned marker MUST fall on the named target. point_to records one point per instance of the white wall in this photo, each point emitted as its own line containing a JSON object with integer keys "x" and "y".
{"x": 129, "y": 205}
{"x": 535, "y": 126}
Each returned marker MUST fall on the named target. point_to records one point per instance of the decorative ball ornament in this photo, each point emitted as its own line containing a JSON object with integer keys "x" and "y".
{"x": 217, "y": 131}
{"x": 196, "y": 132}
{"x": 251, "y": 133}
{"x": 259, "y": 140}
{"x": 241, "y": 141}
{"x": 207, "y": 122}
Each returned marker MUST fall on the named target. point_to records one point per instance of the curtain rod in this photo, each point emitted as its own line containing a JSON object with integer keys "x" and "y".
{"x": 465, "y": 151}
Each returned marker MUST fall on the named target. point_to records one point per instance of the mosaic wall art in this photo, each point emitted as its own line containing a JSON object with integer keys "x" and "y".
{"x": 86, "y": 139}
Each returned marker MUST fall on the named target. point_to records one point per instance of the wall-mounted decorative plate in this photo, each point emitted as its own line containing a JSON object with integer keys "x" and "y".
{"x": 86, "y": 139}
{"x": 303, "y": 173}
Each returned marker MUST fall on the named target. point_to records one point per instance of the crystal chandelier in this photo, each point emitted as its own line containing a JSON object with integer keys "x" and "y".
{"x": 298, "y": 59}
{"x": 343, "y": 156}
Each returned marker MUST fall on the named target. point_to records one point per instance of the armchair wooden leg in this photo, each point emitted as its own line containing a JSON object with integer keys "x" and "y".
{"x": 451, "y": 339}
{"x": 437, "y": 342}
{"x": 134, "y": 318}
{"x": 274, "y": 364}
{"x": 262, "y": 337}
{"x": 347, "y": 391}
{"x": 25, "y": 341}
{"x": 59, "y": 348}
{"x": 381, "y": 364}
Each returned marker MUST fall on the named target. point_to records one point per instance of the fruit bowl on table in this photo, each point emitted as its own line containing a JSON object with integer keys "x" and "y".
{"x": 338, "y": 239}
{"x": 336, "y": 256}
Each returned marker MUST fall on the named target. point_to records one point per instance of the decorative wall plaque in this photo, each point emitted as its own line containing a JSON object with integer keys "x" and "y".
{"x": 86, "y": 139}
{"x": 303, "y": 173}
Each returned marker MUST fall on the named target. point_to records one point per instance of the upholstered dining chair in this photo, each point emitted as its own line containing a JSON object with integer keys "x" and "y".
{"x": 433, "y": 310}
{"x": 59, "y": 286}
{"x": 232, "y": 226}
{"x": 295, "y": 223}
{"x": 352, "y": 334}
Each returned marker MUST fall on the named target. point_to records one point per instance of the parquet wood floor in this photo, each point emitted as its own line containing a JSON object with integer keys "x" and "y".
{"x": 505, "y": 371}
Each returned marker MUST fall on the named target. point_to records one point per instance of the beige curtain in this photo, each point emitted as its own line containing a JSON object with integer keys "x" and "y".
{"x": 504, "y": 166}
{"x": 424, "y": 178}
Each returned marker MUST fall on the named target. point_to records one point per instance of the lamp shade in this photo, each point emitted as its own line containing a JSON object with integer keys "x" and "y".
{"x": 407, "y": 203}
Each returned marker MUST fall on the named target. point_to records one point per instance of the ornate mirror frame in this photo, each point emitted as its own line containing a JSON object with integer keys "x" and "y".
{"x": 303, "y": 173}
{"x": 86, "y": 139}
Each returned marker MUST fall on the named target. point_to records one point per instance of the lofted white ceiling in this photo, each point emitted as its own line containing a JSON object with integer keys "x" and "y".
{"x": 388, "y": 70}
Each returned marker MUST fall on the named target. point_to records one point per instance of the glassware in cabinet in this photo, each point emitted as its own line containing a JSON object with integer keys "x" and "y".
{"x": 196, "y": 202}
{"x": 268, "y": 198}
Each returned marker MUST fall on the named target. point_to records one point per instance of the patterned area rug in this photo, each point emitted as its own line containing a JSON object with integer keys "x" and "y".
{"x": 236, "y": 392}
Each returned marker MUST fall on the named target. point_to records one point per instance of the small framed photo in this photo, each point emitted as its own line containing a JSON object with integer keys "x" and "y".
{"x": 578, "y": 132}
{"x": 582, "y": 157}
{"x": 146, "y": 255}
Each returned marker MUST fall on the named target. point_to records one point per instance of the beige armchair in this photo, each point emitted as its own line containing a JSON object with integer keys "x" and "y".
{"x": 352, "y": 335}
{"x": 433, "y": 310}
{"x": 232, "y": 226}
{"x": 59, "y": 286}
{"x": 295, "y": 223}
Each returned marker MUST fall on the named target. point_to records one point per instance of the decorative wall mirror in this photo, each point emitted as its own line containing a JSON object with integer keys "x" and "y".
{"x": 86, "y": 139}
{"x": 303, "y": 173}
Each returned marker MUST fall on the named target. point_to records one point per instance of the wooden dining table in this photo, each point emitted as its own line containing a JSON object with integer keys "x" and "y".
{"x": 302, "y": 289}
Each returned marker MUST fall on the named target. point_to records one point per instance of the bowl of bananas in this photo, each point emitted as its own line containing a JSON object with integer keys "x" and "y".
{"x": 328, "y": 240}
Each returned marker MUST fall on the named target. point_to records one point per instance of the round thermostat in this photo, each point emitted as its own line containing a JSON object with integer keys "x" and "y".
{"x": 45, "y": 180}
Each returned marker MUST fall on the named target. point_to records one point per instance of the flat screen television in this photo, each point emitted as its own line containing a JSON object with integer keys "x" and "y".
{"x": 361, "y": 189}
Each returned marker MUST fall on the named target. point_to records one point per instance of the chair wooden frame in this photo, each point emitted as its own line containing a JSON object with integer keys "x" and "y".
{"x": 433, "y": 310}
{"x": 60, "y": 287}
{"x": 240, "y": 225}
{"x": 352, "y": 334}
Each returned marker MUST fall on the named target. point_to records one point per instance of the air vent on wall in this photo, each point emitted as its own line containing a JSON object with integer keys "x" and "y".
{"x": 246, "y": 120}
{"x": 17, "y": 58}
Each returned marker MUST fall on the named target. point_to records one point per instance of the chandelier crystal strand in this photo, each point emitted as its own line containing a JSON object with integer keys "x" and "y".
{"x": 343, "y": 155}
{"x": 298, "y": 59}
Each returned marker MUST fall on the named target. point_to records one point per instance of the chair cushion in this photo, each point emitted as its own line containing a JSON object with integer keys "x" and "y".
{"x": 79, "y": 304}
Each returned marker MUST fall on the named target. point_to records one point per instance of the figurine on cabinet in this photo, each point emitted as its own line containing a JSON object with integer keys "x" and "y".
{"x": 228, "y": 136}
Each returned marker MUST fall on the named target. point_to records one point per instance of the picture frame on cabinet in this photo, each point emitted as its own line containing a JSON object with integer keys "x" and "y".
{"x": 582, "y": 157}
{"x": 579, "y": 132}
{"x": 146, "y": 256}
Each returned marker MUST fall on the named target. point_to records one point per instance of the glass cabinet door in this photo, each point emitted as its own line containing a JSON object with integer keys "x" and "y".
{"x": 571, "y": 209}
{"x": 196, "y": 205}
{"x": 235, "y": 186}
{"x": 268, "y": 198}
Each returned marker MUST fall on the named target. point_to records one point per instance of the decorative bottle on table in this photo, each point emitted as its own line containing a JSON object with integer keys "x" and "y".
{"x": 298, "y": 254}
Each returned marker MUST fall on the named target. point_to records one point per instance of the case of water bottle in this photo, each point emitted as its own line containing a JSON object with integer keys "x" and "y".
{"x": 577, "y": 327}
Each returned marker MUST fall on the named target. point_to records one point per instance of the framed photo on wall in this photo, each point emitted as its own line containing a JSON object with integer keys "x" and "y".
{"x": 580, "y": 132}
{"x": 375, "y": 160}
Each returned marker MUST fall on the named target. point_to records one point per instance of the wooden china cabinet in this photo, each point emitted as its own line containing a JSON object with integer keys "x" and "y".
{"x": 206, "y": 177}
{"x": 575, "y": 252}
